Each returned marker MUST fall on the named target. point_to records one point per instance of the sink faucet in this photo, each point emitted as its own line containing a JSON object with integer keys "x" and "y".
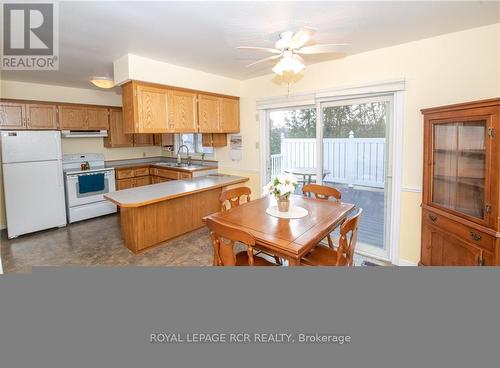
{"x": 179, "y": 159}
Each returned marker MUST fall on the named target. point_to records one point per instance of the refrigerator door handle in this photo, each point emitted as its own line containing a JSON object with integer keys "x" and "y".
{"x": 58, "y": 145}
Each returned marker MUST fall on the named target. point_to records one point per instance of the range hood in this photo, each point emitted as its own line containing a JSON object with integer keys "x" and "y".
{"x": 84, "y": 133}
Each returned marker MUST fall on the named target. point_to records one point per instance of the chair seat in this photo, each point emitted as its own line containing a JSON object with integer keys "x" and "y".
{"x": 242, "y": 260}
{"x": 322, "y": 256}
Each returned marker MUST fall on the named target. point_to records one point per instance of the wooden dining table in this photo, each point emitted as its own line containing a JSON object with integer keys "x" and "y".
{"x": 288, "y": 239}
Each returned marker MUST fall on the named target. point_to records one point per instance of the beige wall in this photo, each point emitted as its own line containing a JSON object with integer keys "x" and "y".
{"x": 451, "y": 68}
{"x": 32, "y": 91}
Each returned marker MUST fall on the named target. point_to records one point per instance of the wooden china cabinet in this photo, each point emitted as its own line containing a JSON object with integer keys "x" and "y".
{"x": 460, "y": 209}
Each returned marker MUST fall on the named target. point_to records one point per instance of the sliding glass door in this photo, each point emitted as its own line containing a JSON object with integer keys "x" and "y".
{"x": 355, "y": 160}
{"x": 344, "y": 144}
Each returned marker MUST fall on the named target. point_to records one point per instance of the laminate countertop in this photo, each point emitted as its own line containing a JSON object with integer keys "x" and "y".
{"x": 149, "y": 194}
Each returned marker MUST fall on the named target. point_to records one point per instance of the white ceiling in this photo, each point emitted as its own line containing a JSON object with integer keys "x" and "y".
{"x": 203, "y": 35}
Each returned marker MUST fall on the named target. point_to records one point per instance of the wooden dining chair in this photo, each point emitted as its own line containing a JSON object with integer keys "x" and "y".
{"x": 343, "y": 255}
{"x": 234, "y": 197}
{"x": 322, "y": 192}
{"x": 224, "y": 238}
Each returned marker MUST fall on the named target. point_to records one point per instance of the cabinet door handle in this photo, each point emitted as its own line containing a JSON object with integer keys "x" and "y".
{"x": 475, "y": 236}
{"x": 432, "y": 217}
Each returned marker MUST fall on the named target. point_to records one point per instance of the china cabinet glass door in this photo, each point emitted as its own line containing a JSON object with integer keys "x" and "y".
{"x": 460, "y": 166}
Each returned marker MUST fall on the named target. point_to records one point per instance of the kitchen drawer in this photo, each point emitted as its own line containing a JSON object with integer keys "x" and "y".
{"x": 141, "y": 171}
{"x": 124, "y": 173}
{"x": 124, "y": 184}
{"x": 467, "y": 233}
{"x": 153, "y": 171}
{"x": 169, "y": 174}
{"x": 185, "y": 175}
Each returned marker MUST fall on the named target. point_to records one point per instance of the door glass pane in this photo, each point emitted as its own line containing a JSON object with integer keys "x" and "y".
{"x": 354, "y": 162}
{"x": 459, "y": 166}
{"x": 293, "y": 144}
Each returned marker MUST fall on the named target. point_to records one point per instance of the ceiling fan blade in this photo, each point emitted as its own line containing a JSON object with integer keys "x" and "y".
{"x": 263, "y": 60}
{"x": 300, "y": 38}
{"x": 322, "y": 49}
{"x": 268, "y": 49}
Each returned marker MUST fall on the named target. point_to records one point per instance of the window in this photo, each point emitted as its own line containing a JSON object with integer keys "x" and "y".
{"x": 193, "y": 142}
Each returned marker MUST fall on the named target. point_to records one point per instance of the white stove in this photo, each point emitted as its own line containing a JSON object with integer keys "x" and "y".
{"x": 85, "y": 189}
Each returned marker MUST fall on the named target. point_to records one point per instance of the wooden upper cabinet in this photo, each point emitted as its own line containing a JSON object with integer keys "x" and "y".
{"x": 152, "y": 110}
{"x": 208, "y": 113}
{"x": 142, "y": 139}
{"x": 41, "y": 116}
{"x": 12, "y": 115}
{"x": 97, "y": 118}
{"x": 164, "y": 139}
{"x": 81, "y": 117}
{"x": 116, "y": 135}
{"x": 229, "y": 115}
{"x": 72, "y": 117}
{"x": 183, "y": 112}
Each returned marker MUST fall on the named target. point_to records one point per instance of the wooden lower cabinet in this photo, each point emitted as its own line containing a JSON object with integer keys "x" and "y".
{"x": 126, "y": 178}
{"x": 124, "y": 184}
{"x": 149, "y": 225}
{"x": 448, "y": 243}
{"x": 141, "y": 181}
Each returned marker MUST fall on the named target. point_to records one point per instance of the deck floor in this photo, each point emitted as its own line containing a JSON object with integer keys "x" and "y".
{"x": 371, "y": 200}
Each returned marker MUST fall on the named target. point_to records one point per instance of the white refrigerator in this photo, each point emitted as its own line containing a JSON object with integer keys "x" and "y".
{"x": 33, "y": 181}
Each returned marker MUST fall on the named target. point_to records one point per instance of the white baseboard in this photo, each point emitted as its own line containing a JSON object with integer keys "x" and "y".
{"x": 3, "y": 227}
{"x": 404, "y": 262}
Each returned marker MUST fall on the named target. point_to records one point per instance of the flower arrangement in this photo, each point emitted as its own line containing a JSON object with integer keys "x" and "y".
{"x": 281, "y": 187}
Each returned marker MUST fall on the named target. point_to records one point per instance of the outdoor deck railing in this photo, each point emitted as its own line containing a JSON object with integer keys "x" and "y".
{"x": 352, "y": 161}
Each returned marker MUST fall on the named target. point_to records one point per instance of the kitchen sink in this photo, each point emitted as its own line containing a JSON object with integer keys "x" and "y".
{"x": 174, "y": 164}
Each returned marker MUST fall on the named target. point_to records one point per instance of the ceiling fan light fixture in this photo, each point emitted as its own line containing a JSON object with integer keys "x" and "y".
{"x": 103, "y": 82}
{"x": 288, "y": 65}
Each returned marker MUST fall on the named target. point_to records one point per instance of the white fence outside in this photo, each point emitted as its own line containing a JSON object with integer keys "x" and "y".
{"x": 352, "y": 161}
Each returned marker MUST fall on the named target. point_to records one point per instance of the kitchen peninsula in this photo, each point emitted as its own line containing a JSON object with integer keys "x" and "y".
{"x": 152, "y": 214}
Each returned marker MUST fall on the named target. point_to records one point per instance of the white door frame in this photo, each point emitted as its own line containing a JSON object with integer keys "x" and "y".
{"x": 393, "y": 88}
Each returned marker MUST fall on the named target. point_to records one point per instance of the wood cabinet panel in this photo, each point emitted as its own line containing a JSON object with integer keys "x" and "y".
{"x": 124, "y": 184}
{"x": 442, "y": 249}
{"x": 116, "y": 134}
{"x": 169, "y": 174}
{"x": 124, "y": 173}
{"x": 208, "y": 114}
{"x": 41, "y": 116}
{"x": 183, "y": 112}
{"x": 214, "y": 139}
{"x": 141, "y": 140}
{"x": 141, "y": 181}
{"x": 141, "y": 171}
{"x": 152, "y": 106}
{"x": 164, "y": 139}
{"x": 72, "y": 117}
{"x": 229, "y": 115}
{"x": 97, "y": 118}
{"x": 12, "y": 115}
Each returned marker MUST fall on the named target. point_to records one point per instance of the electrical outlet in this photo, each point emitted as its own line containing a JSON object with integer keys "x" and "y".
{"x": 144, "y": 154}
{"x": 257, "y": 145}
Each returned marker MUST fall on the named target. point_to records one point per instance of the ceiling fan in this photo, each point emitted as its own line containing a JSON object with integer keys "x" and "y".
{"x": 289, "y": 48}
